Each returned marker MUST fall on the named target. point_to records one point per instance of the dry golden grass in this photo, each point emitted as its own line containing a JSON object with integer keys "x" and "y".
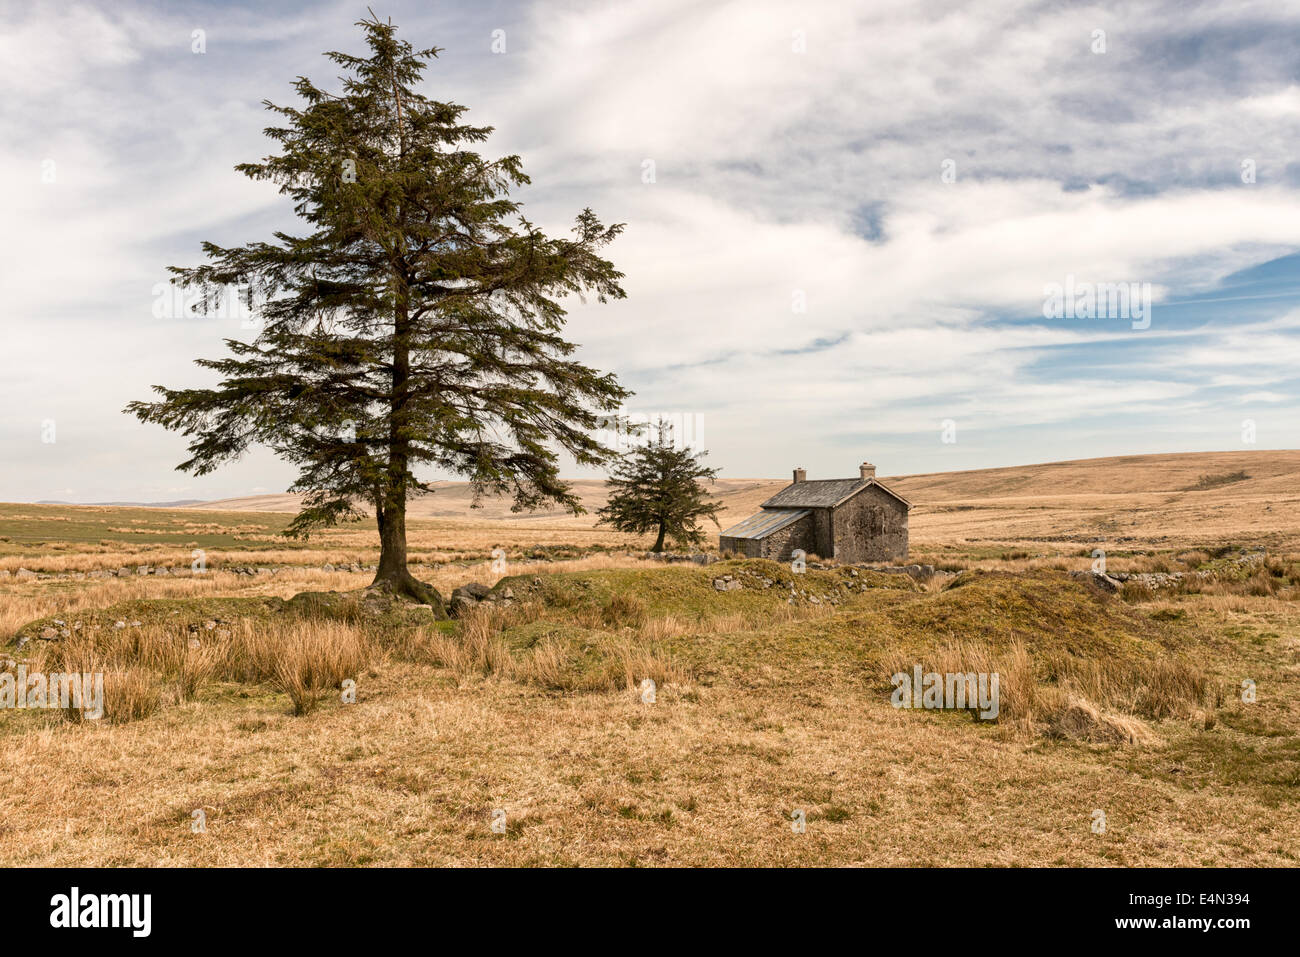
{"x": 412, "y": 773}
{"x": 1082, "y": 699}
{"x": 335, "y": 549}
{"x": 314, "y": 658}
{"x": 762, "y": 708}
{"x": 480, "y": 648}
{"x": 129, "y": 695}
{"x": 151, "y": 666}
{"x": 25, "y": 601}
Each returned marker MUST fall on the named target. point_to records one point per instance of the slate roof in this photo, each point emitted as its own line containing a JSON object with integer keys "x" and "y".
{"x": 825, "y": 493}
{"x": 765, "y": 523}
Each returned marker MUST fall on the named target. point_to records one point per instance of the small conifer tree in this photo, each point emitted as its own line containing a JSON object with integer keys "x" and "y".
{"x": 658, "y": 488}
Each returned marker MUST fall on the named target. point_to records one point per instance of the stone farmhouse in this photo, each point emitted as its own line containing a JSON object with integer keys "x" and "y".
{"x": 852, "y": 520}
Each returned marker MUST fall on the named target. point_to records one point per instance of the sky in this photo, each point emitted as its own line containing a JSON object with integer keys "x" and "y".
{"x": 847, "y": 223}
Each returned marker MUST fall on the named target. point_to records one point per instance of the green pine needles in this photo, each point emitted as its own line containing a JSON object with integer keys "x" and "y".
{"x": 415, "y": 321}
{"x": 657, "y": 488}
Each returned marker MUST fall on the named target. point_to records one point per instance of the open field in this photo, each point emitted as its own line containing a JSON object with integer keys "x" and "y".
{"x": 769, "y": 705}
{"x": 1130, "y": 502}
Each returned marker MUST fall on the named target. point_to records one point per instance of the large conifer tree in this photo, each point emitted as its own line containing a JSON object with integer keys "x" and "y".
{"x": 657, "y": 488}
{"x": 416, "y": 322}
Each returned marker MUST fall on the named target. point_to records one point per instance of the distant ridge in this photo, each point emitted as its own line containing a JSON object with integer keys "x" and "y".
{"x": 179, "y": 503}
{"x": 1266, "y": 472}
{"x": 1239, "y": 498}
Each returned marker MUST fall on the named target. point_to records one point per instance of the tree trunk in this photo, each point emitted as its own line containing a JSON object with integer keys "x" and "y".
{"x": 659, "y": 542}
{"x": 392, "y": 574}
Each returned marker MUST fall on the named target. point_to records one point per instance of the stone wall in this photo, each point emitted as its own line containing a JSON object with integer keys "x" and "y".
{"x": 870, "y": 527}
{"x": 823, "y": 534}
{"x": 781, "y": 544}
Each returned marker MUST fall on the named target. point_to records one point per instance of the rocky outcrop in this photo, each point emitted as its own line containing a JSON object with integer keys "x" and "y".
{"x": 677, "y": 558}
{"x": 919, "y": 572}
{"x": 812, "y": 590}
{"x": 471, "y": 596}
{"x": 467, "y": 597}
{"x": 1098, "y": 580}
{"x": 1241, "y": 564}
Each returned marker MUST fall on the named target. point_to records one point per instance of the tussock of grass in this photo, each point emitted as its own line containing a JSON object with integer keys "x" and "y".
{"x": 129, "y": 695}
{"x": 151, "y": 666}
{"x": 624, "y": 609}
{"x": 1061, "y": 695}
{"x": 1077, "y": 718}
{"x": 1159, "y": 688}
{"x": 332, "y": 606}
{"x": 312, "y": 659}
{"x": 1072, "y": 663}
{"x": 1017, "y": 685}
{"x": 570, "y": 659}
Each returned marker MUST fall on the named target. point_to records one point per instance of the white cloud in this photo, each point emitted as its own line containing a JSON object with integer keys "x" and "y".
{"x": 778, "y": 173}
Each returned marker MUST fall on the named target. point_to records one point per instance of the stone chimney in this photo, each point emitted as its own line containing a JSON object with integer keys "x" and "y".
{"x": 800, "y": 475}
{"x": 867, "y": 471}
